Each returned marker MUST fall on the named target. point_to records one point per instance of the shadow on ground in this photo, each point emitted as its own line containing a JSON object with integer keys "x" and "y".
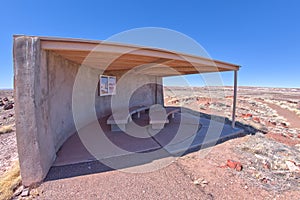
{"x": 139, "y": 158}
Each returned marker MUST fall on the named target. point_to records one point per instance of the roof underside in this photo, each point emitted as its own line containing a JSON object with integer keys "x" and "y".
{"x": 114, "y": 57}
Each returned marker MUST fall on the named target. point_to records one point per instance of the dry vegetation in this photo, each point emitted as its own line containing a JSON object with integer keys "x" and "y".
{"x": 9, "y": 168}
{"x": 9, "y": 181}
{"x": 6, "y": 129}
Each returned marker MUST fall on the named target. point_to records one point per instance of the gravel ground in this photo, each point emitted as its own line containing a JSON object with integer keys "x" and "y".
{"x": 168, "y": 183}
{"x": 8, "y": 143}
{"x": 197, "y": 175}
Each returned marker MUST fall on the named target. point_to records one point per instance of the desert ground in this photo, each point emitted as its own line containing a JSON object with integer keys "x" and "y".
{"x": 263, "y": 164}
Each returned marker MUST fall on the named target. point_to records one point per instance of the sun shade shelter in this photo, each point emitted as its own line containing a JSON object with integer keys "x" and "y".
{"x": 46, "y": 70}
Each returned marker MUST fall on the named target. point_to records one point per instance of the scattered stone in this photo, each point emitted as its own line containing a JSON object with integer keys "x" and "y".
{"x": 25, "y": 192}
{"x": 238, "y": 167}
{"x": 272, "y": 163}
{"x": 284, "y": 125}
{"x": 293, "y": 131}
{"x": 264, "y": 180}
{"x": 234, "y": 165}
{"x": 1, "y": 103}
{"x": 202, "y": 107}
{"x": 201, "y": 182}
{"x": 256, "y": 119}
{"x": 196, "y": 182}
{"x": 34, "y": 193}
{"x": 18, "y": 191}
{"x": 283, "y": 135}
{"x": 273, "y": 123}
{"x": 292, "y": 166}
{"x": 246, "y": 116}
{"x": 10, "y": 115}
{"x": 5, "y": 99}
{"x": 260, "y": 134}
{"x": 204, "y": 183}
{"x": 8, "y": 106}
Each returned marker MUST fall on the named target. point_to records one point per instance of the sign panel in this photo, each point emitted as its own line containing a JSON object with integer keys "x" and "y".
{"x": 107, "y": 85}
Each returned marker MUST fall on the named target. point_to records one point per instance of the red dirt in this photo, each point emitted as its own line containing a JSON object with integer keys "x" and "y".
{"x": 291, "y": 117}
{"x": 198, "y": 175}
{"x": 282, "y": 139}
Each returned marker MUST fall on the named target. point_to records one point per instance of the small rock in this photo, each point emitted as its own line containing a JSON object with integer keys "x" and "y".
{"x": 284, "y": 124}
{"x": 34, "y": 193}
{"x": 238, "y": 167}
{"x": 202, "y": 108}
{"x": 1, "y": 103}
{"x": 10, "y": 115}
{"x": 234, "y": 165}
{"x": 284, "y": 134}
{"x": 264, "y": 180}
{"x": 260, "y": 134}
{"x": 267, "y": 165}
{"x": 8, "y": 106}
{"x": 204, "y": 183}
{"x": 5, "y": 99}
{"x": 256, "y": 119}
{"x": 196, "y": 182}
{"x": 246, "y": 116}
{"x": 231, "y": 164}
{"x": 25, "y": 192}
{"x": 201, "y": 182}
{"x": 292, "y": 166}
{"x": 18, "y": 191}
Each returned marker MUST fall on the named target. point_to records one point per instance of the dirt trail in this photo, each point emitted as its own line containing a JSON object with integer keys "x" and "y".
{"x": 289, "y": 115}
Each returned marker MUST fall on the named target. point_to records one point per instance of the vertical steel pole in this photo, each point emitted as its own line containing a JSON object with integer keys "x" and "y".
{"x": 234, "y": 98}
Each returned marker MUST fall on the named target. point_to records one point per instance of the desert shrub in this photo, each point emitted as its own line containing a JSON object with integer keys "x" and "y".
{"x": 9, "y": 181}
{"x": 6, "y": 129}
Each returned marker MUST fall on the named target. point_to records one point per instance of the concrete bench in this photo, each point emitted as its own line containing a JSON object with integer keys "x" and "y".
{"x": 158, "y": 118}
{"x": 119, "y": 119}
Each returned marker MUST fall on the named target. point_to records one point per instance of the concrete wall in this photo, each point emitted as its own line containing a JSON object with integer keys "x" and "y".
{"x": 44, "y": 92}
{"x": 61, "y": 76}
{"x": 132, "y": 90}
{"x": 34, "y": 136}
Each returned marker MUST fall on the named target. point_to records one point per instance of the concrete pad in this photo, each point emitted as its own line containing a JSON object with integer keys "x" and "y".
{"x": 74, "y": 151}
{"x": 183, "y": 133}
{"x": 210, "y": 133}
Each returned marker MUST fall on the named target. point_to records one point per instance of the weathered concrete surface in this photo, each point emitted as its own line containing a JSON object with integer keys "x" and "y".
{"x": 44, "y": 91}
{"x": 61, "y": 74}
{"x": 34, "y": 138}
{"x": 132, "y": 90}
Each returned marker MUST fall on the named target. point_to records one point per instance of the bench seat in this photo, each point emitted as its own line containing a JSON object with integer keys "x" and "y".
{"x": 159, "y": 118}
{"x": 119, "y": 119}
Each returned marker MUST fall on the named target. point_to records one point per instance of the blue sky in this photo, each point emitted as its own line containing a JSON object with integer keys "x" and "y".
{"x": 261, "y": 36}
